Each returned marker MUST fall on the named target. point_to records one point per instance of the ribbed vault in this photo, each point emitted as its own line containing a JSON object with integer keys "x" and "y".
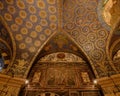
{"x": 32, "y": 29}
{"x": 33, "y": 23}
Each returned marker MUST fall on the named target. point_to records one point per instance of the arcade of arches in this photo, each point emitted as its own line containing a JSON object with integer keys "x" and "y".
{"x": 60, "y": 47}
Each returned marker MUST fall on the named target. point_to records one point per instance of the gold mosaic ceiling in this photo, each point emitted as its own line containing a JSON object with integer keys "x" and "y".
{"x": 32, "y": 23}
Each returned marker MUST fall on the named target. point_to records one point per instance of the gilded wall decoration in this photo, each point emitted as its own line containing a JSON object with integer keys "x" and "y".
{"x": 62, "y": 57}
{"x": 61, "y": 74}
{"x": 85, "y": 77}
{"x": 19, "y": 67}
{"x": 36, "y": 77}
{"x": 58, "y": 72}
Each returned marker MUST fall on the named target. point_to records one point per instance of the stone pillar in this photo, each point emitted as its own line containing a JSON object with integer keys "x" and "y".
{"x": 110, "y": 85}
{"x": 10, "y": 86}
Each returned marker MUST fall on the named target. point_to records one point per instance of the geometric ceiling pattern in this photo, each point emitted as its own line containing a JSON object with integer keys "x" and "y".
{"x": 31, "y": 23}
{"x": 34, "y": 23}
{"x": 81, "y": 23}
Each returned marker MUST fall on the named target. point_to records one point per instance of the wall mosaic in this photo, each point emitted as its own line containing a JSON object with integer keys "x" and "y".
{"x": 61, "y": 57}
{"x": 59, "y": 77}
{"x": 61, "y": 74}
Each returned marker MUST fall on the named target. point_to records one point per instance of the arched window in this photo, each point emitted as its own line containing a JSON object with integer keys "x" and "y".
{"x": 1, "y": 61}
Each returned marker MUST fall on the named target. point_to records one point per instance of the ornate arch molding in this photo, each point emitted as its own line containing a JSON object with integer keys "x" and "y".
{"x": 12, "y": 48}
{"x": 35, "y": 59}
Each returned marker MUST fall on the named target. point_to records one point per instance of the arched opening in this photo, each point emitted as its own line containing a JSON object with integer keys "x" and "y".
{"x": 63, "y": 73}
{"x": 1, "y": 61}
{"x": 5, "y": 57}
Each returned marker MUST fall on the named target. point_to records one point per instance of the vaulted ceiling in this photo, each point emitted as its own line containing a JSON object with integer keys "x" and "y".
{"x": 31, "y": 29}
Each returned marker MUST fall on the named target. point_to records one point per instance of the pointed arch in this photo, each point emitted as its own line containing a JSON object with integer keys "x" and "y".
{"x": 37, "y": 55}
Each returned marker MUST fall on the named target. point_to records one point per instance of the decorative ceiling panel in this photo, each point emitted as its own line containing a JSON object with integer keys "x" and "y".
{"x": 31, "y": 23}
{"x": 82, "y": 23}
